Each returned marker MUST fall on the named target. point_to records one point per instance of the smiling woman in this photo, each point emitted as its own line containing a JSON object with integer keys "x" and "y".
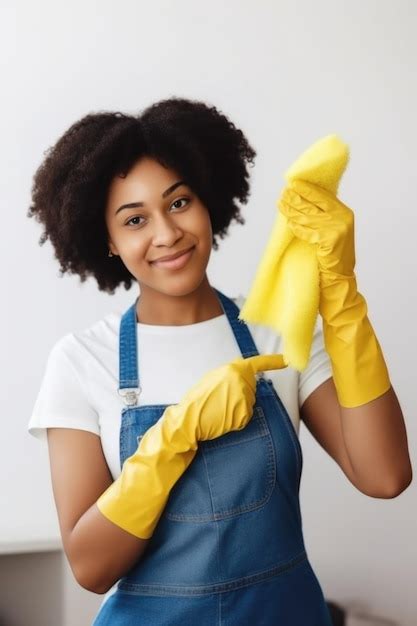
{"x": 96, "y": 167}
{"x": 169, "y": 226}
{"x": 184, "y": 448}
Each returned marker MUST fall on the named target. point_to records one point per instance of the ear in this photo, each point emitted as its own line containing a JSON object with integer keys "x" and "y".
{"x": 112, "y": 247}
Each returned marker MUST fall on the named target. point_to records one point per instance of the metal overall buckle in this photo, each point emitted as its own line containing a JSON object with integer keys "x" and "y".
{"x": 130, "y": 395}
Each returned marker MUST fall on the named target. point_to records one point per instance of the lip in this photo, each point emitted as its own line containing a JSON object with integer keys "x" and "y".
{"x": 176, "y": 263}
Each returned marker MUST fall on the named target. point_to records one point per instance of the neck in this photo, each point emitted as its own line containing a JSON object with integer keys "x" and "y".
{"x": 161, "y": 309}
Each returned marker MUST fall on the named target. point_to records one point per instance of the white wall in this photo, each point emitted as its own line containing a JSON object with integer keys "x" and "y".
{"x": 286, "y": 72}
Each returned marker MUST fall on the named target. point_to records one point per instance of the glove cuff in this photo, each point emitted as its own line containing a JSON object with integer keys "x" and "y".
{"x": 360, "y": 373}
{"x": 137, "y": 498}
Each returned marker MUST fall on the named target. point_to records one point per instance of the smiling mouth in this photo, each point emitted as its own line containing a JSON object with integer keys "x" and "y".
{"x": 177, "y": 263}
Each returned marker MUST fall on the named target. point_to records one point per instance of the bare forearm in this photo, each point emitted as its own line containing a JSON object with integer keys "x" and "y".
{"x": 372, "y": 422}
{"x": 376, "y": 442}
{"x": 100, "y": 552}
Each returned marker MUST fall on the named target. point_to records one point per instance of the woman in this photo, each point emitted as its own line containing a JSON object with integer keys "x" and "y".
{"x": 175, "y": 467}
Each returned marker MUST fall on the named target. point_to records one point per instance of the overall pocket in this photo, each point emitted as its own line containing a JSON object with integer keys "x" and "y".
{"x": 229, "y": 475}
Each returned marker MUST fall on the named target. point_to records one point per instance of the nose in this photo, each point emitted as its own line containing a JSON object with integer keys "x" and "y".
{"x": 166, "y": 231}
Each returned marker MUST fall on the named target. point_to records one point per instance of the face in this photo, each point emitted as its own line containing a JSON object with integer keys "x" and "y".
{"x": 170, "y": 218}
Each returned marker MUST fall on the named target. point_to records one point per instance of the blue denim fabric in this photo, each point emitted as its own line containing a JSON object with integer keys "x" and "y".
{"x": 228, "y": 548}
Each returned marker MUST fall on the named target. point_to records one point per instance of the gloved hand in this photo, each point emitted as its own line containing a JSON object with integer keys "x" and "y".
{"x": 317, "y": 216}
{"x": 221, "y": 401}
{"x": 359, "y": 370}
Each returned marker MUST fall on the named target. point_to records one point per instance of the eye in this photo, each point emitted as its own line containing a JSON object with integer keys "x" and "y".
{"x": 136, "y": 217}
{"x": 179, "y": 200}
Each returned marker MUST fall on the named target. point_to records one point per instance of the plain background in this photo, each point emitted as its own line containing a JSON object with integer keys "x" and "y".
{"x": 286, "y": 73}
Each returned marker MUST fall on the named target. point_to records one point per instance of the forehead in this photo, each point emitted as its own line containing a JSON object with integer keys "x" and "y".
{"x": 147, "y": 178}
{"x": 146, "y": 172}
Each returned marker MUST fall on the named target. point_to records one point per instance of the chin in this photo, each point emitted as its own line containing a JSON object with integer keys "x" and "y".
{"x": 180, "y": 286}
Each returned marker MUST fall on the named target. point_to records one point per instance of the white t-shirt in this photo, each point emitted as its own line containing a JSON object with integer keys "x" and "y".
{"x": 80, "y": 382}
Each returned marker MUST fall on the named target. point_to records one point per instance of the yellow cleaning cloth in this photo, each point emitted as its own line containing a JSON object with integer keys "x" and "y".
{"x": 285, "y": 292}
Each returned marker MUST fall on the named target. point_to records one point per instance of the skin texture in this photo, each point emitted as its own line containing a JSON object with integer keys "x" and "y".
{"x": 369, "y": 443}
{"x": 99, "y": 552}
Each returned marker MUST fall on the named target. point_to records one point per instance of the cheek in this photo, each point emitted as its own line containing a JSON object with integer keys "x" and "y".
{"x": 202, "y": 224}
{"x": 205, "y": 241}
{"x": 133, "y": 252}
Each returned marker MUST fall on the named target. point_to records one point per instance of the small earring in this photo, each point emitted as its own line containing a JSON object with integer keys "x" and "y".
{"x": 110, "y": 253}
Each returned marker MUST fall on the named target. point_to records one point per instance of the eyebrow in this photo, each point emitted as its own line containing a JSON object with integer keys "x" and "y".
{"x": 167, "y": 192}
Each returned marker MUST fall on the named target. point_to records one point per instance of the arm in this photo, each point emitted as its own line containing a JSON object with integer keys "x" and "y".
{"x": 99, "y": 552}
{"x": 363, "y": 423}
{"x": 376, "y": 441}
{"x": 369, "y": 442}
{"x": 106, "y": 525}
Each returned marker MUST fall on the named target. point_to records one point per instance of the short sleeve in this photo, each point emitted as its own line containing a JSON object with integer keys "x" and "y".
{"x": 318, "y": 368}
{"x": 62, "y": 399}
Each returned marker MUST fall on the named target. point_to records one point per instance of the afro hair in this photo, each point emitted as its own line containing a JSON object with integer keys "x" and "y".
{"x": 70, "y": 186}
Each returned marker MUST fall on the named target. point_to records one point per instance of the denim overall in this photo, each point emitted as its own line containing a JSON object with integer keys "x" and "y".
{"x": 228, "y": 548}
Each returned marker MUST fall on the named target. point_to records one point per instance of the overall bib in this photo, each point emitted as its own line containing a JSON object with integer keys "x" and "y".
{"x": 228, "y": 549}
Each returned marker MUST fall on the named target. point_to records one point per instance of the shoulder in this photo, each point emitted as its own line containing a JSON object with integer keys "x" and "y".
{"x": 101, "y": 335}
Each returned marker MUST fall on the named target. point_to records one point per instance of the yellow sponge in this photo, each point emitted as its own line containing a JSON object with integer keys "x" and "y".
{"x": 285, "y": 292}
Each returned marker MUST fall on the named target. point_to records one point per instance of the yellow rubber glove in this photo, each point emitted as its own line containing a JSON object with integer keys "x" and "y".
{"x": 359, "y": 370}
{"x": 221, "y": 401}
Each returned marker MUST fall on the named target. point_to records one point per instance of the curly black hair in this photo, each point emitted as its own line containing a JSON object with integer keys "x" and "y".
{"x": 70, "y": 186}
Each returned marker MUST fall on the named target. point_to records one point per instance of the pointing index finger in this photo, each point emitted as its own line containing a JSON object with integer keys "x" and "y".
{"x": 265, "y": 362}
